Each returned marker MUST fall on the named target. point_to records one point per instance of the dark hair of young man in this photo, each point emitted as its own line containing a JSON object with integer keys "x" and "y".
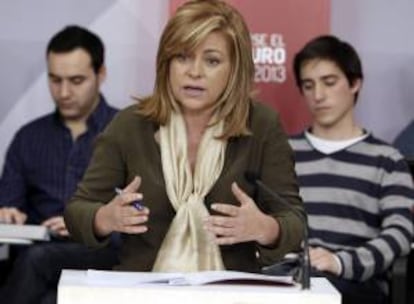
{"x": 73, "y": 37}
{"x": 329, "y": 48}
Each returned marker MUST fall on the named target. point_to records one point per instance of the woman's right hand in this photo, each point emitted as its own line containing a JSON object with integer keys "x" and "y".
{"x": 120, "y": 215}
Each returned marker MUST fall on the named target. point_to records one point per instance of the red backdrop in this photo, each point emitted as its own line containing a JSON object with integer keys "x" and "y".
{"x": 279, "y": 28}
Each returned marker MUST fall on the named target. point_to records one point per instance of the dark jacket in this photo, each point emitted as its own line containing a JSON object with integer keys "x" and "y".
{"x": 128, "y": 148}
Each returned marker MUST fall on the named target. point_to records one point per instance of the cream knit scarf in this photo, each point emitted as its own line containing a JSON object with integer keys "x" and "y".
{"x": 187, "y": 246}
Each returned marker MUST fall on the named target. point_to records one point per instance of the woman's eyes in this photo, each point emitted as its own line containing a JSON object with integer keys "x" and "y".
{"x": 181, "y": 57}
{"x": 211, "y": 61}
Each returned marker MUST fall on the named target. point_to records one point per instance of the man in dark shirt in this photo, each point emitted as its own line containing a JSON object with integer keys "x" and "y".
{"x": 404, "y": 141}
{"x": 45, "y": 161}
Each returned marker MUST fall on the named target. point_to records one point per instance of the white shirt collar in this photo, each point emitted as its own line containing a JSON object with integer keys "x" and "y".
{"x": 331, "y": 146}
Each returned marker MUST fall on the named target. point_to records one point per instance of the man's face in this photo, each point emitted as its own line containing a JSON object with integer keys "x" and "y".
{"x": 73, "y": 83}
{"x": 329, "y": 96}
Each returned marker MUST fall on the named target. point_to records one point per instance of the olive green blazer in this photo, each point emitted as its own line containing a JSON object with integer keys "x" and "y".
{"x": 128, "y": 148}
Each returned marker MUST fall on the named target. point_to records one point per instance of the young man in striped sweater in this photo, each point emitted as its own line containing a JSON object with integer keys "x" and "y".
{"x": 357, "y": 190}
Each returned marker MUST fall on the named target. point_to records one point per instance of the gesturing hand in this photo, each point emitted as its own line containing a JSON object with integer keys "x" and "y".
{"x": 120, "y": 215}
{"x": 241, "y": 223}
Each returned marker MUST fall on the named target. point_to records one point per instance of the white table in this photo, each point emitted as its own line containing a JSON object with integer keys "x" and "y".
{"x": 76, "y": 288}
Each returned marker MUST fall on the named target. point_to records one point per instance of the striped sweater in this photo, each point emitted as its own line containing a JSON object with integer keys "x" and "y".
{"x": 358, "y": 200}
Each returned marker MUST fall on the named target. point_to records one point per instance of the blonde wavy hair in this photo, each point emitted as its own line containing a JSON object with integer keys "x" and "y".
{"x": 190, "y": 25}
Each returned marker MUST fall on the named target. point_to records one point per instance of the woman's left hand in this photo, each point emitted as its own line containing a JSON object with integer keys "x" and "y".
{"x": 242, "y": 223}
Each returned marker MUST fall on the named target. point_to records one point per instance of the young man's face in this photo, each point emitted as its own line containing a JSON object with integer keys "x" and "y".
{"x": 329, "y": 96}
{"x": 73, "y": 83}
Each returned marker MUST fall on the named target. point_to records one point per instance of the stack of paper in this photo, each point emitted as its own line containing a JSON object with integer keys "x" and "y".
{"x": 23, "y": 233}
{"x": 111, "y": 278}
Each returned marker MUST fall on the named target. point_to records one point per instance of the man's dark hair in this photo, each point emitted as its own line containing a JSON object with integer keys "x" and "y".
{"x": 329, "y": 48}
{"x": 73, "y": 37}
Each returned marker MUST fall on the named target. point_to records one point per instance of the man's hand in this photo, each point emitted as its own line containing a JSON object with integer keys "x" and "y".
{"x": 11, "y": 215}
{"x": 324, "y": 260}
{"x": 57, "y": 225}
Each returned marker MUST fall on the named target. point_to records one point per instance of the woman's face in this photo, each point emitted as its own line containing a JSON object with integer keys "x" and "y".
{"x": 198, "y": 78}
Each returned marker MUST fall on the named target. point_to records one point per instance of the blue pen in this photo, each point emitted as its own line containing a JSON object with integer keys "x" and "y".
{"x": 137, "y": 204}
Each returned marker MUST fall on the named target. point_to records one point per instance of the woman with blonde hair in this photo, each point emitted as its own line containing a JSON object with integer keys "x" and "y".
{"x": 183, "y": 153}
